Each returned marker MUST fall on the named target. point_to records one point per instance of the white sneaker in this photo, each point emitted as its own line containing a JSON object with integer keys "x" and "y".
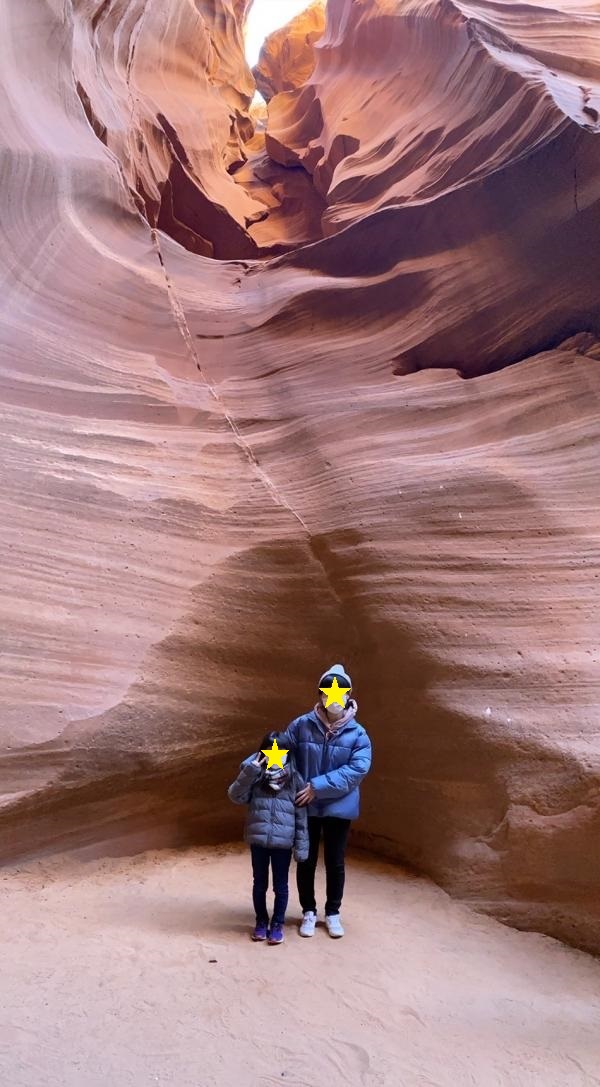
{"x": 334, "y": 925}
{"x": 309, "y": 920}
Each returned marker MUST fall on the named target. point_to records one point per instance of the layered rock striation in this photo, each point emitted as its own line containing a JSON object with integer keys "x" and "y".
{"x": 222, "y": 466}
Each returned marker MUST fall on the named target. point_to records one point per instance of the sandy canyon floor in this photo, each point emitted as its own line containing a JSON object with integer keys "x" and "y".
{"x": 107, "y": 978}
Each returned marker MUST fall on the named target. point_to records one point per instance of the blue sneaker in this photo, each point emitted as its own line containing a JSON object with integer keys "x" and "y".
{"x": 276, "y": 933}
{"x": 261, "y": 931}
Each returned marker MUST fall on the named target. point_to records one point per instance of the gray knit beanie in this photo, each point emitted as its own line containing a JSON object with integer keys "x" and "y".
{"x": 341, "y": 674}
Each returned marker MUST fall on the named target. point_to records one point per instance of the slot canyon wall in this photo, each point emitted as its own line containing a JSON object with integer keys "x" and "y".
{"x": 318, "y": 384}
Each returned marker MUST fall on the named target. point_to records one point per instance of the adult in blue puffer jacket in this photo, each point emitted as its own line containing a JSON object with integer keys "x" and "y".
{"x": 333, "y": 754}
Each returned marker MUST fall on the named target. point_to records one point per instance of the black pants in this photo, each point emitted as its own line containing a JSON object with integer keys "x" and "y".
{"x": 279, "y": 860}
{"x": 335, "y": 836}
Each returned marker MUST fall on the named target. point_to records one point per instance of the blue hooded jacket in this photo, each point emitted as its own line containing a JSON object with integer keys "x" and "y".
{"x": 334, "y": 767}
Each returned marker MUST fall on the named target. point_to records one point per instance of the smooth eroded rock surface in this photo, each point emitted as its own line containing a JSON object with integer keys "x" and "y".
{"x": 220, "y": 474}
{"x": 287, "y": 58}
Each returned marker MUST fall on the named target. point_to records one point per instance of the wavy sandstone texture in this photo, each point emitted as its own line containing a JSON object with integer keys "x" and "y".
{"x": 287, "y": 58}
{"x": 220, "y": 474}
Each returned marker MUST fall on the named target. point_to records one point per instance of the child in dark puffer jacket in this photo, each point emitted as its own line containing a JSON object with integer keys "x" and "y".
{"x": 274, "y": 828}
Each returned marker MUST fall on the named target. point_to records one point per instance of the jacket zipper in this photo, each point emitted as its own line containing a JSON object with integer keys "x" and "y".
{"x": 325, "y": 742}
{"x": 320, "y": 802}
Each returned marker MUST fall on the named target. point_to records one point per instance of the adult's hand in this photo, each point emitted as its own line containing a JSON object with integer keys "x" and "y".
{"x": 305, "y": 795}
{"x": 260, "y": 760}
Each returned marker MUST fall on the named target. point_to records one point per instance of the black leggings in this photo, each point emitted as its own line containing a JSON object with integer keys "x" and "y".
{"x": 335, "y": 836}
{"x": 279, "y": 861}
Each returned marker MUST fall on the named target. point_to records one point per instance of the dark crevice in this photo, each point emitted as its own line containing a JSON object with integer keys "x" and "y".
{"x": 429, "y": 356}
{"x": 198, "y": 224}
{"x": 176, "y": 144}
{"x": 98, "y": 14}
{"x": 96, "y": 124}
{"x": 190, "y": 217}
{"x": 148, "y": 205}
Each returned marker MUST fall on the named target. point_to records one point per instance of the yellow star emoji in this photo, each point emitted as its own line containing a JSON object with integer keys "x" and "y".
{"x": 275, "y": 755}
{"x": 335, "y": 693}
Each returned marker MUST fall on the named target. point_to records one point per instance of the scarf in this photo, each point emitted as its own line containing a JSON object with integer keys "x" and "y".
{"x": 276, "y": 777}
{"x": 332, "y": 727}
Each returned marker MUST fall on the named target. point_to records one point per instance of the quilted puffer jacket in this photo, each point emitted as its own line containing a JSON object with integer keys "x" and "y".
{"x": 273, "y": 819}
{"x": 334, "y": 766}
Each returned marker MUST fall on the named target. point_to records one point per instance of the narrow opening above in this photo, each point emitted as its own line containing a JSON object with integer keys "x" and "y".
{"x": 264, "y": 17}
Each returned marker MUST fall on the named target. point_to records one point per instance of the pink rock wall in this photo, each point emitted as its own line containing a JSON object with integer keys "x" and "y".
{"x": 218, "y": 474}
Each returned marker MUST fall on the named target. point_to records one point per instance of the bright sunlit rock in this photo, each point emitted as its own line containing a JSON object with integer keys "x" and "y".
{"x": 265, "y": 17}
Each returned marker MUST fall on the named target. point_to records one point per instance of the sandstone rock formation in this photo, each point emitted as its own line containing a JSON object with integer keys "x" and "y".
{"x": 221, "y": 471}
{"x": 287, "y": 58}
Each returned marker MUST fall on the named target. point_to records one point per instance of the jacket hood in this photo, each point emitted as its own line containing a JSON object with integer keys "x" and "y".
{"x": 344, "y": 728}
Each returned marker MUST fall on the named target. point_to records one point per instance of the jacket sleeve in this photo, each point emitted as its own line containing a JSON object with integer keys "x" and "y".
{"x": 341, "y": 781}
{"x": 301, "y": 835}
{"x": 240, "y": 790}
